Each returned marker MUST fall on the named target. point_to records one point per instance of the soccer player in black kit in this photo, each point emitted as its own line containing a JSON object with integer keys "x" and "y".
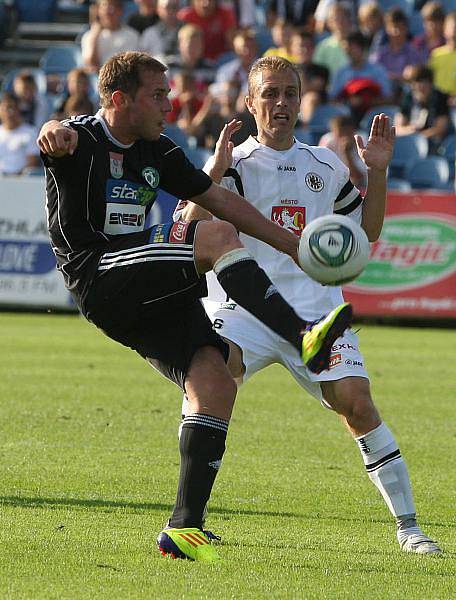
{"x": 142, "y": 287}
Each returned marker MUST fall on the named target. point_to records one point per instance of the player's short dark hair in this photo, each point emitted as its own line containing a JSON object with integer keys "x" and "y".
{"x": 122, "y": 72}
{"x": 271, "y": 63}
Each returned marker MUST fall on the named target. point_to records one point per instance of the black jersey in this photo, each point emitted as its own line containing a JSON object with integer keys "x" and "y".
{"x": 106, "y": 190}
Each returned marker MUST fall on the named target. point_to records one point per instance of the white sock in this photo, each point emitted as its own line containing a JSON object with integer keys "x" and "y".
{"x": 184, "y": 410}
{"x": 387, "y": 470}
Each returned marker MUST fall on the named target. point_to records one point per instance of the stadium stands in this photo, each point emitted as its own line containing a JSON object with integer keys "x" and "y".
{"x": 429, "y": 172}
{"x": 45, "y": 42}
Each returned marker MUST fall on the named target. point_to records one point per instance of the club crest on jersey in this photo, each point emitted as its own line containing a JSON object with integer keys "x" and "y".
{"x": 314, "y": 182}
{"x": 292, "y": 218}
{"x": 152, "y": 176}
{"x": 116, "y": 164}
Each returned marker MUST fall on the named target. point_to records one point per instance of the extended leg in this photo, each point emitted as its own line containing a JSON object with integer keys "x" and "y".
{"x": 350, "y": 397}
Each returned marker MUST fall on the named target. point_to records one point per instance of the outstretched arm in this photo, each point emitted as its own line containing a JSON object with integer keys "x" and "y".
{"x": 377, "y": 155}
{"x": 216, "y": 167}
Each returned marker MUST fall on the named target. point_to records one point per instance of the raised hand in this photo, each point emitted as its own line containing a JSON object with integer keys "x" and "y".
{"x": 223, "y": 153}
{"x": 379, "y": 148}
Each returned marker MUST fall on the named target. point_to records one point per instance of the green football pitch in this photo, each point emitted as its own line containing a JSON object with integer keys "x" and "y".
{"x": 89, "y": 465}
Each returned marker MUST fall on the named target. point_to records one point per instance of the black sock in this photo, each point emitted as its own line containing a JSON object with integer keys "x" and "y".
{"x": 248, "y": 285}
{"x": 202, "y": 444}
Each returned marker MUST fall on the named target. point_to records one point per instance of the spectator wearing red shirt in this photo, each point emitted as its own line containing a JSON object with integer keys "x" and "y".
{"x": 217, "y": 22}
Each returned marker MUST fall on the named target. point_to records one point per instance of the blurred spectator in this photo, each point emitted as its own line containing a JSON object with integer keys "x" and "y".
{"x": 77, "y": 105}
{"x": 245, "y": 11}
{"x": 18, "y": 149}
{"x": 161, "y": 39}
{"x": 355, "y": 45}
{"x": 424, "y": 109}
{"x": 299, "y": 13}
{"x": 443, "y": 59}
{"x": 145, "y": 17}
{"x": 237, "y": 70}
{"x": 330, "y": 52}
{"x": 399, "y": 51}
{"x": 33, "y": 106}
{"x": 281, "y": 36}
{"x": 78, "y": 85}
{"x": 302, "y": 47}
{"x": 107, "y": 35}
{"x": 218, "y": 108}
{"x": 191, "y": 57}
{"x": 217, "y": 22}
{"x": 433, "y": 19}
{"x": 340, "y": 139}
{"x": 371, "y": 24}
{"x": 315, "y": 80}
{"x": 186, "y": 102}
{"x": 323, "y": 9}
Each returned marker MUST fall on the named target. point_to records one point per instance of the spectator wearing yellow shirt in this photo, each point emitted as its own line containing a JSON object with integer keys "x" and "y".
{"x": 443, "y": 59}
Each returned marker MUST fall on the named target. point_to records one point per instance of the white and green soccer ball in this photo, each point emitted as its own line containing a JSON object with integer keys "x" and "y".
{"x": 333, "y": 250}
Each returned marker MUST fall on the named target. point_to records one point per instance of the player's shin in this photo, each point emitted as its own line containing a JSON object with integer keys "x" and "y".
{"x": 248, "y": 285}
{"x": 388, "y": 471}
{"x": 202, "y": 444}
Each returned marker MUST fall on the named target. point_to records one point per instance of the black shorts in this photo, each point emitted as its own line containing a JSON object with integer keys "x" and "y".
{"x": 146, "y": 295}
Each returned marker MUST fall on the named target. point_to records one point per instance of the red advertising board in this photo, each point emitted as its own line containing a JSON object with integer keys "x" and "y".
{"x": 412, "y": 268}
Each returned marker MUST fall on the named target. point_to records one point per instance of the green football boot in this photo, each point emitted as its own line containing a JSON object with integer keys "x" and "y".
{"x": 321, "y": 335}
{"x": 188, "y": 542}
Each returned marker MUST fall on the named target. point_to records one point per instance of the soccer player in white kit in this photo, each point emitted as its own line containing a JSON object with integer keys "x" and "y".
{"x": 293, "y": 183}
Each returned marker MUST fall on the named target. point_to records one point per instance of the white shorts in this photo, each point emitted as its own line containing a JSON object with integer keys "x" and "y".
{"x": 262, "y": 347}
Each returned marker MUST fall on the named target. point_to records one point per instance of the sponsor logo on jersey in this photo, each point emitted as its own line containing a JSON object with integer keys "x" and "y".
{"x": 178, "y": 232}
{"x": 334, "y": 360}
{"x": 152, "y": 176}
{"x": 131, "y": 219}
{"x": 124, "y": 218}
{"x": 292, "y": 218}
{"x": 128, "y": 192}
{"x": 314, "y": 182}
{"x": 286, "y": 168}
{"x": 116, "y": 164}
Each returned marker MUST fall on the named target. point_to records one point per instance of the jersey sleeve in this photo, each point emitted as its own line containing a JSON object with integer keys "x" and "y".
{"x": 179, "y": 176}
{"x": 67, "y": 185}
{"x": 349, "y": 200}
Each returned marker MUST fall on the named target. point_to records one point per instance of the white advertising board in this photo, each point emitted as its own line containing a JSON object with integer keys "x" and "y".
{"x": 28, "y": 274}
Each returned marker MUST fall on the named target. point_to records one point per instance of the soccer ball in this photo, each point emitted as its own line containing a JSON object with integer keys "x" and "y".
{"x": 333, "y": 249}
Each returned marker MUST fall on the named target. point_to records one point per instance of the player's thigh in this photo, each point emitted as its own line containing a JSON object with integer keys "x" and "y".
{"x": 346, "y": 361}
{"x": 171, "y": 336}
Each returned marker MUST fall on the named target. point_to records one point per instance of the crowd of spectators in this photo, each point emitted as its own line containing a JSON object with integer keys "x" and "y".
{"x": 353, "y": 55}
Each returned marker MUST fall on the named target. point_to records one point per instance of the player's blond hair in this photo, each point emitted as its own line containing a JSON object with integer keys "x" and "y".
{"x": 274, "y": 64}
{"x": 122, "y": 72}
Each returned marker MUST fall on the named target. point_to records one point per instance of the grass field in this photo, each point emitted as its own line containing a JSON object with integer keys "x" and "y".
{"x": 89, "y": 465}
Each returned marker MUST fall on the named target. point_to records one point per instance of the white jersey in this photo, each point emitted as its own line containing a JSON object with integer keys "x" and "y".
{"x": 290, "y": 187}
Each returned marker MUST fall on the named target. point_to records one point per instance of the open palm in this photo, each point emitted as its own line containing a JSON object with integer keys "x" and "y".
{"x": 378, "y": 151}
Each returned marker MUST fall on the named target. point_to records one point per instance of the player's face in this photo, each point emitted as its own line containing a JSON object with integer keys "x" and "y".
{"x": 275, "y": 106}
{"x": 150, "y": 107}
